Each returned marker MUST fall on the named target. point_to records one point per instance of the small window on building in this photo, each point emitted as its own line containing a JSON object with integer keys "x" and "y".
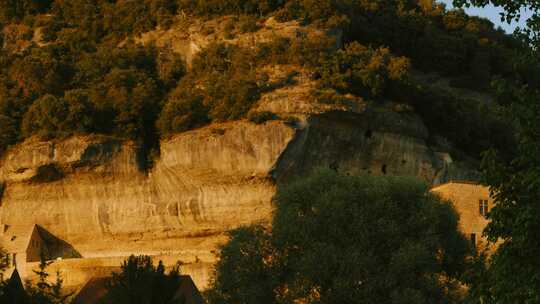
{"x": 483, "y": 207}
{"x": 473, "y": 241}
{"x": 384, "y": 169}
{"x": 14, "y": 261}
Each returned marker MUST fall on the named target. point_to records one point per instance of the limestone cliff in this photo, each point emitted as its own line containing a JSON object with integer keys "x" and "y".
{"x": 91, "y": 192}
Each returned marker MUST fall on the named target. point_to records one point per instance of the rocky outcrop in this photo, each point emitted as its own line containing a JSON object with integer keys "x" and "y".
{"x": 189, "y": 36}
{"x": 93, "y": 193}
{"x": 90, "y": 191}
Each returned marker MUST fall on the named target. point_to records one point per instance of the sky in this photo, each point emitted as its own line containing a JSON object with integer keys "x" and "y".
{"x": 492, "y": 14}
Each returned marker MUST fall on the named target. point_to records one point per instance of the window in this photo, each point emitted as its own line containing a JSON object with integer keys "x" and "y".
{"x": 473, "y": 241}
{"x": 484, "y": 207}
{"x": 14, "y": 260}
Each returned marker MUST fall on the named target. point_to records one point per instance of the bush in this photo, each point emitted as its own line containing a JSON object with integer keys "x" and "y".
{"x": 248, "y": 24}
{"x": 10, "y": 132}
{"x": 46, "y": 117}
{"x": 362, "y": 70}
{"x": 182, "y": 112}
{"x": 129, "y": 99}
{"x": 141, "y": 282}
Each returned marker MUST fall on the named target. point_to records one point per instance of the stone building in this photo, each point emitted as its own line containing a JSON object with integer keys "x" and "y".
{"x": 23, "y": 244}
{"x": 472, "y": 202}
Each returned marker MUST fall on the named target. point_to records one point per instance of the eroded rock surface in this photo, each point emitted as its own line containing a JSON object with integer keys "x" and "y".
{"x": 91, "y": 192}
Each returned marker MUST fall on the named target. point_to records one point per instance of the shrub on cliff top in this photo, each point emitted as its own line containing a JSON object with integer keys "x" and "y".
{"x": 363, "y": 70}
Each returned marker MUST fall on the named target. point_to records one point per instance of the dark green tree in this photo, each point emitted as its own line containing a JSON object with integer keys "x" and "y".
{"x": 46, "y": 117}
{"x": 363, "y": 70}
{"x": 184, "y": 111}
{"x": 11, "y": 291}
{"x": 343, "y": 239}
{"x": 511, "y": 275}
{"x": 248, "y": 257}
{"x": 44, "y": 292}
{"x": 141, "y": 282}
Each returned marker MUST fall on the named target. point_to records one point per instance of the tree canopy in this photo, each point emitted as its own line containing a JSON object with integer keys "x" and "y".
{"x": 510, "y": 276}
{"x": 343, "y": 239}
{"x": 139, "y": 281}
{"x": 71, "y": 67}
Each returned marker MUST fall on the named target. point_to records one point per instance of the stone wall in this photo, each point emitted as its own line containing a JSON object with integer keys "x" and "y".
{"x": 465, "y": 197}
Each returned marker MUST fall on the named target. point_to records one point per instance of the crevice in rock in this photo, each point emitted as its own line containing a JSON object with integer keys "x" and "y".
{"x": 384, "y": 169}
{"x": 48, "y": 173}
{"x": 334, "y": 166}
{"x": 2, "y": 191}
{"x": 149, "y": 151}
{"x": 368, "y": 134}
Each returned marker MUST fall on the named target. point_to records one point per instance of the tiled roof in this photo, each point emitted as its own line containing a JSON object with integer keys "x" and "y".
{"x": 92, "y": 292}
{"x": 95, "y": 289}
{"x": 188, "y": 292}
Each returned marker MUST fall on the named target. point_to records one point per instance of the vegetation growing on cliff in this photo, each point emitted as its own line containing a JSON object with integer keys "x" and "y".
{"x": 341, "y": 239}
{"x": 71, "y": 66}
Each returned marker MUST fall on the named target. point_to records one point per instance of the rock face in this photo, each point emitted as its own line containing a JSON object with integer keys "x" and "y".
{"x": 91, "y": 192}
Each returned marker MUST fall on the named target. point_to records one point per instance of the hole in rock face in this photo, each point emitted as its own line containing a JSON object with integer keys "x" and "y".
{"x": 334, "y": 166}
{"x": 2, "y": 190}
{"x": 384, "y": 169}
{"x": 368, "y": 134}
{"x": 48, "y": 173}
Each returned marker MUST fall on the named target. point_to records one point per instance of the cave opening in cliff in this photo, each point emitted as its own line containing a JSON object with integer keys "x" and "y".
{"x": 334, "y": 166}
{"x": 2, "y": 190}
{"x": 368, "y": 134}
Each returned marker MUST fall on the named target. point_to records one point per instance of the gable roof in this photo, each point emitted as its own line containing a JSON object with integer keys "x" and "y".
{"x": 16, "y": 239}
{"x": 188, "y": 292}
{"x": 15, "y": 281}
{"x": 457, "y": 182}
{"x": 96, "y": 288}
{"x": 92, "y": 292}
{"x": 14, "y": 290}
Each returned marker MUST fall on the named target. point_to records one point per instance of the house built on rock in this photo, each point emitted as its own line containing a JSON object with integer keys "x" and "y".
{"x": 27, "y": 243}
{"x": 472, "y": 202}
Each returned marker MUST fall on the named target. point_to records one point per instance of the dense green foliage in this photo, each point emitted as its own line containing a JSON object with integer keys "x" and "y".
{"x": 43, "y": 292}
{"x": 141, "y": 282}
{"x": 89, "y": 77}
{"x": 342, "y": 239}
{"x": 515, "y": 184}
{"x": 362, "y": 70}
{"x": 510, "y": 274}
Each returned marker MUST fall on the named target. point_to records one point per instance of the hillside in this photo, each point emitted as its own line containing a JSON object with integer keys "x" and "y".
{"x": 156, "y": 126}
